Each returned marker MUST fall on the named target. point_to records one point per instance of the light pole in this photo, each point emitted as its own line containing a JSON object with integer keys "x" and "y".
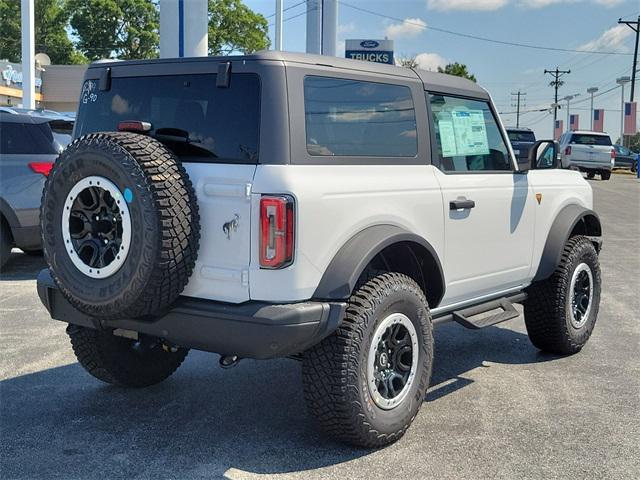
{"x": 28, "y": 55}
{"x": 622, "y": 81}
{"x": 591, "y": 91}
{"x": 568, "y": 98}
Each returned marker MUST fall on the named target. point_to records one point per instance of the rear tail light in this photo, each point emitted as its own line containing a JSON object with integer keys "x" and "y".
{"x": 135, "y": 126}
{"x": 567, "y": 151}
{"x": 613, "y": 154}
{"x": 41, "y": 167}
{"x": 277, "y": 225}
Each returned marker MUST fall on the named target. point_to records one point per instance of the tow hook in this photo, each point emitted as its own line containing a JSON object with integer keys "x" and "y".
{"x": 229, "y": 361}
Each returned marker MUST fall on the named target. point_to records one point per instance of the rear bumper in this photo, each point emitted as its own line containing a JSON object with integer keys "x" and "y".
{"x": 249, "y": 330}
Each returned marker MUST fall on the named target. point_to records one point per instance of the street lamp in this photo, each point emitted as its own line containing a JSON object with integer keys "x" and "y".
{"x": 568, "y": 98}
{"x": 592, "y": 90}
{"x": 622, "y": 81}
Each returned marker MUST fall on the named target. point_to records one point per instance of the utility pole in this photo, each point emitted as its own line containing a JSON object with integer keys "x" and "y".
{"x": 28, "y": 54}
{"x": 518, "y": 96}
{"x": 635, "y": 26}
{"x": 591, "y": 91}
{"x": 556, "y": 83}
{"x": 278, "y": 38}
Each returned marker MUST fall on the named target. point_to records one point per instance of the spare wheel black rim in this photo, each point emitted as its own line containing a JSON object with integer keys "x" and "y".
{"x": 96, "y": 227}
{"x": 393, "y": 361}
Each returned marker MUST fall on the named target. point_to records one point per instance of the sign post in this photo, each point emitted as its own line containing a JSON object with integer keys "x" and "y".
{"x": 379, "y": 51}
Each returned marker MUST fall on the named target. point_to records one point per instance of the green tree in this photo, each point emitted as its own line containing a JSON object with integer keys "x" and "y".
{"x": 51, "y": 37}
{"x": 233, "y": 27}
{"x": 457, "y": 69}
{"x": 125, "y": 29}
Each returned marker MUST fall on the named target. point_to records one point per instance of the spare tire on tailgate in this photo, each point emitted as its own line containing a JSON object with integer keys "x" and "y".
{"x": 120, "y": 225}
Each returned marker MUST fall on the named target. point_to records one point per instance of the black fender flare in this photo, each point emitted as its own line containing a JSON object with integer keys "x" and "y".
{"x": 344, "y": 270}
{"x": 564, "y": 224}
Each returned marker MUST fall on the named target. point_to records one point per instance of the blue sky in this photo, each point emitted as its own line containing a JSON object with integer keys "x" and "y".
{"x": 572, "y": 24}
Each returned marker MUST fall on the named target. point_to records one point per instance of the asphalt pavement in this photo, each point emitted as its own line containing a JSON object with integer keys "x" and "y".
{"x": 497, "y": 408}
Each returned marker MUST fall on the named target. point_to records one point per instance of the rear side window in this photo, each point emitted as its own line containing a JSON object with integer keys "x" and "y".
{"x": 588, "y": 139}
{"x": 26, "y": 138}
{"x": 467, "y": 136}
{"x": 354, "y": 118}
{"x": 515, "y": 136}
{"x": 216, "y": 124}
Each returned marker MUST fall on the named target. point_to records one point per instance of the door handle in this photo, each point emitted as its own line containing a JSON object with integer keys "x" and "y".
{"x": 461, "y": 204}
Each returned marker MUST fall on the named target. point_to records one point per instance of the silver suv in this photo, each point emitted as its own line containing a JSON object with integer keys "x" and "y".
{"x": 589, "y": 152}
{"x": 29, "y": 144}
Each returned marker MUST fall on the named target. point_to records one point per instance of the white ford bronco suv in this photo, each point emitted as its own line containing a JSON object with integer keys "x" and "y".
{"x": 290, "y": 205}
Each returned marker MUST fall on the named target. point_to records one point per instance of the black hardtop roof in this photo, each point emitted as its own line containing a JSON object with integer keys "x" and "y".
{"x": 438, "y": 82}
{"x": 518, "y": 129}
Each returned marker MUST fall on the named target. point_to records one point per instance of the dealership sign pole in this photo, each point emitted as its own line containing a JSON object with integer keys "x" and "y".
{"x": 28, "y": 56}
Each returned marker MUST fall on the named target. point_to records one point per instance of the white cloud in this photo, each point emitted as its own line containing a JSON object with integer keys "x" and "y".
{"x": 609, "y": 3}
{"x": 410, "y": 27}
{"x": 611, "y": 40}
{"x": 346, "y": 28}
{"x": 468, "y": 5}
{"x": 430, "y": 61}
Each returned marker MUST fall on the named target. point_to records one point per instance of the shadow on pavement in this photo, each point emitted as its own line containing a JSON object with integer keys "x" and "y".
{"x": 203, "y": 421}
{"x": 22, "y": 266}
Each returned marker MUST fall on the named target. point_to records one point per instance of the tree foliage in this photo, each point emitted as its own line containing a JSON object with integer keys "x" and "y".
{"x": 234, "y": 27}
{"x": 125, "y": 29}
{"x": 51, "y": 37}
{"x": 457, "y": 69}
{"x": 408, "y": 62}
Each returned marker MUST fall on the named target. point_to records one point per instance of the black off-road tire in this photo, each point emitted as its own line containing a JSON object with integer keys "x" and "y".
{"x": 164, "y": 219}
{"x": 6, "y": 242}
{"x": 605, "y": 175}
{"x": 335, "y": 370}
{"x": 123, "y": 361}
{"x": 591, "y": 174}
{"x": 547, "y": 310}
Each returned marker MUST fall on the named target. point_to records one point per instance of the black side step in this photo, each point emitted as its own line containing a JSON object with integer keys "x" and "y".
{"x": 465, "y": 316}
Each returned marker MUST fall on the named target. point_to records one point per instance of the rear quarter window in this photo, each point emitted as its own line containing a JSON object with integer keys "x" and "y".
{"x": 222, "y": 123}
{"x": 26, "y": 138}
{"x": 356, "y": 118}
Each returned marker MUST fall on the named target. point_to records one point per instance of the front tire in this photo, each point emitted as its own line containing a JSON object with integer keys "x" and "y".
{"x": 591, "y": 175}
{"x": 6, "y": 242}
{"x": 124, "y": 361}
{"x": 605, "y": 175}
{"x": 561, "y": 311}
{"x": 366, "y": 382}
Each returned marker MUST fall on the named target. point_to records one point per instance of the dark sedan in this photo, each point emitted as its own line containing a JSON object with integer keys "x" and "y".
{"x": 625, "y": 158}
{"x": 522, "y": 139}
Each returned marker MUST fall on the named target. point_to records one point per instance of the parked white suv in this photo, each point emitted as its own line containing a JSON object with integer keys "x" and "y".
{"x": 324, "y": 209}
{"x": 590, "y": 152}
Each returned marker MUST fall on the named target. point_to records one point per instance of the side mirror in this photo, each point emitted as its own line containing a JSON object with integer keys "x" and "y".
{"x": 543, "y": 155}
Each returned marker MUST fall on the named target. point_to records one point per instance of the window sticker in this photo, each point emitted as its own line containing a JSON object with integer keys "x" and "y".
{"x": 89, "y": 92}
{"x": 463, "y": 132}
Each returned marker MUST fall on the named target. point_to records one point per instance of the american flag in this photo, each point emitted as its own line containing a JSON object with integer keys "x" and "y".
{"x": 574, "y": 122}
{"x": 598, "y": 120}
{"x": 557, "y": 131}
{"x": 630, "y": 109}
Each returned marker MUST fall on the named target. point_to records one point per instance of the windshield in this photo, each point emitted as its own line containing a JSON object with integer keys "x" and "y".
{"x": 213, "y": 124}
{"x": 516, "y": 136}
{"x": 590, "y": 139}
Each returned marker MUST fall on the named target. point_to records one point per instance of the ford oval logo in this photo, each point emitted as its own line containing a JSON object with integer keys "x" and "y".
{"x": 369, "y": 44}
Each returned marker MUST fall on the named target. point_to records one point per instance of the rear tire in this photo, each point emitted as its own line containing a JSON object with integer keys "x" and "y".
{"x": 358, "y": 382}
{"x": 6, "y": 242}
{"x": 561, "y": 311}
{"x": 605, "y": 175}
{"x": 591, "y": 175}
{"x": 123, "y": 361}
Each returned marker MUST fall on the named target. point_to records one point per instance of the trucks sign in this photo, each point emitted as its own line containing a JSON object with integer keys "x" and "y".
{"x": 379, "y": 51}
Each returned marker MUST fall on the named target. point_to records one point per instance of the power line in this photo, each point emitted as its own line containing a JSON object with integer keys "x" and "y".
{"x": 476, "y": 37}
{"x": 288, "y": 8}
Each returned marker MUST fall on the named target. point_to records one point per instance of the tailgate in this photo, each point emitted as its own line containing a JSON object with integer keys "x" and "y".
{"x": 224, "y": 199}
